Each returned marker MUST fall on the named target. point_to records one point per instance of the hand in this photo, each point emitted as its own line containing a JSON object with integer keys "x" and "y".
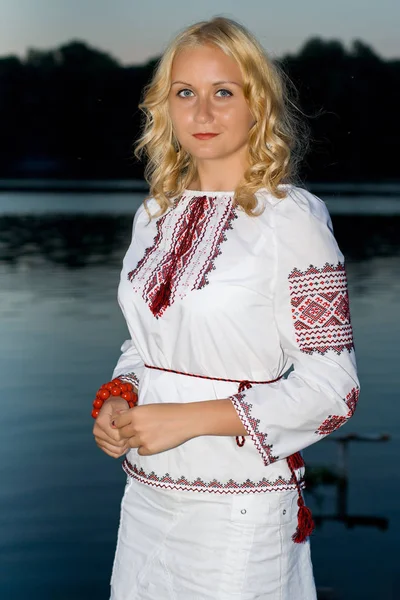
{"x": 107, "y": 437}
{"x": 154, "y": 428}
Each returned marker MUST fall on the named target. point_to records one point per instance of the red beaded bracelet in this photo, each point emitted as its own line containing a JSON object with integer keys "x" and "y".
{"x": 116, "y": 387}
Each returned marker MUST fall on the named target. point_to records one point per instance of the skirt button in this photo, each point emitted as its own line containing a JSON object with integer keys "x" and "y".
{"x": 284, "y": 511}
{"x": 243, "y": 511}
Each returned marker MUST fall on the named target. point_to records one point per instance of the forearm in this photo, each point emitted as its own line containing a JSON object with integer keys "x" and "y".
{"x": 214, "y": 417}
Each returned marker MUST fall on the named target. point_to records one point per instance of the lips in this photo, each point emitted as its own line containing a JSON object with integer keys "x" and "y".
{"x": 205, "y": 136}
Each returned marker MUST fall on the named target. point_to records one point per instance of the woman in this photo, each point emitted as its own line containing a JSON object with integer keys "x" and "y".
{"x": 233, "y": 276}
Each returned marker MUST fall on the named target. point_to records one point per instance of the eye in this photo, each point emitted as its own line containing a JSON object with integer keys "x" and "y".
{"x": 224, "y": 93}
{"x": 186, "y": 93}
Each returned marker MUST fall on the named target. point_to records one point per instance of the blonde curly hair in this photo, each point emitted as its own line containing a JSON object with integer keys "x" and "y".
{"x": 277, "y": 141}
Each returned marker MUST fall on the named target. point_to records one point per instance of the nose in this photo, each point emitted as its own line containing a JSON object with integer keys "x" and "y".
{"x": 203, "y": 112}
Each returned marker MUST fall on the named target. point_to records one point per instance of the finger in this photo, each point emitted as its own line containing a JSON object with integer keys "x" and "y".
{"x": 133, "y": 442}
{"x": 114, "y": 415}
{"x": 112, "y": 450}
{"x": 122, "y": 419}
{"x": 127, "y": 432}
{"x": 104, "y": 428}
{"x": 104, "y": 438}
{"x": 112, "y": 454}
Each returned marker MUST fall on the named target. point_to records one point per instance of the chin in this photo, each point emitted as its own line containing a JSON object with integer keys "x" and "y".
{"x": 206, "y": 152}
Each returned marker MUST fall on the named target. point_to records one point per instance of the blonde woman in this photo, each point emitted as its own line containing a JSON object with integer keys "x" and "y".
{"x": 232, "y": 279}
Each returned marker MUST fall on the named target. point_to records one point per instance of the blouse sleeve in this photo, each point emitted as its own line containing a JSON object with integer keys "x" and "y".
{"x": 312, "y": 319}
{"x": 130, "y": 366}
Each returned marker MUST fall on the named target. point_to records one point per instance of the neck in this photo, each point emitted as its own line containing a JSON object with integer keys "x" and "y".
{"x": 222, "y": 175}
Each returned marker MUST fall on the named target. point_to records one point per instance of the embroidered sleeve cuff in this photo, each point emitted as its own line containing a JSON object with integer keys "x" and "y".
{"x": 334, "y": 422}
{"x": 244, "y": 410}
{"x": 130, "y": 378}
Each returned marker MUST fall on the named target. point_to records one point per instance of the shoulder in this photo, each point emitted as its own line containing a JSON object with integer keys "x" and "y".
{"x": 141, "y": 215}
{"x": 298, "y": 203}
{"x": 302, "y": 224}
{"x": 151, "y": 208}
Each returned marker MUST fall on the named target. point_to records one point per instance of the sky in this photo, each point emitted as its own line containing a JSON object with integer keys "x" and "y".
{"x": 134, "y": 31}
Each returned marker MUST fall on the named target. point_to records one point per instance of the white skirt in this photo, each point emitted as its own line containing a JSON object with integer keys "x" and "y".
{"x": 182, "y": 545}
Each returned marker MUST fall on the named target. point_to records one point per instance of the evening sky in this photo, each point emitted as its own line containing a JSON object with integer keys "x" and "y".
{"x": 135, "y": 31}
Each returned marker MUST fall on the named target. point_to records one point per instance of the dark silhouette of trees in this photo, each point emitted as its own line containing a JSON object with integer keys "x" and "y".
{"x": 351, "y": 99}
{"x": 72, "y": 112}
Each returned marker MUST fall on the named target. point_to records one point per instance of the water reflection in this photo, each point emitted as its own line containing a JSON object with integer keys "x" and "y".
{"x": 72, "y": 241}
{"x": 77, "y": 240}
{"x": 318, "y": 476}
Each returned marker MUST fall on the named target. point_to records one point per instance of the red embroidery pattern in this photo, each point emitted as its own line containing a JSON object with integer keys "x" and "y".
{"x": 175, "y": 264}
{"x": 149, "y": 251}
{"x": 220, "y": 237}
{"x": 130, "y": 377}
{"x": 333, "y": 422}
{"x": 199, "y": 485}
{"x": 320, "y": 309}
{"x": 330, "y": 424}
{"x": 352, "y": 399}
{"x": 251, "y": 425}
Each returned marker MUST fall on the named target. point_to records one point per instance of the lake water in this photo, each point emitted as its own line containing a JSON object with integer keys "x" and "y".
{"x": 61, "y": 330}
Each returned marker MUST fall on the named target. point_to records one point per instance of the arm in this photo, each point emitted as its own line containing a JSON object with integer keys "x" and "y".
{"x": 128, "y": 368}
{"x": 313, "y": 323}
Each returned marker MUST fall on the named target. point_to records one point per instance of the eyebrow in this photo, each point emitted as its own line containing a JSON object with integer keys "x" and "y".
{"x": 216, "y": 83}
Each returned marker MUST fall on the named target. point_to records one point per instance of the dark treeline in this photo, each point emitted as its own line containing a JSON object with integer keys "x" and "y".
{"x": 78, "y": 241}
{"x": 72, "y": 112}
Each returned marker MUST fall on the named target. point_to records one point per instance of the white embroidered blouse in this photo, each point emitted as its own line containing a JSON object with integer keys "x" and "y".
{"x": 205, "y": 289}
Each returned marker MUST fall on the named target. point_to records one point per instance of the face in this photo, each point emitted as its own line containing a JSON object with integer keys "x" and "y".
{"x": 206, "y": 97}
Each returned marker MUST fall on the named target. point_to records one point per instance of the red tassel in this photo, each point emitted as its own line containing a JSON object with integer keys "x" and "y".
{"x": 295, "y": 461}
{"x": 162, "y": 297}
{"x": 240, "y": 442}
{"x": 305, "y": 523}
